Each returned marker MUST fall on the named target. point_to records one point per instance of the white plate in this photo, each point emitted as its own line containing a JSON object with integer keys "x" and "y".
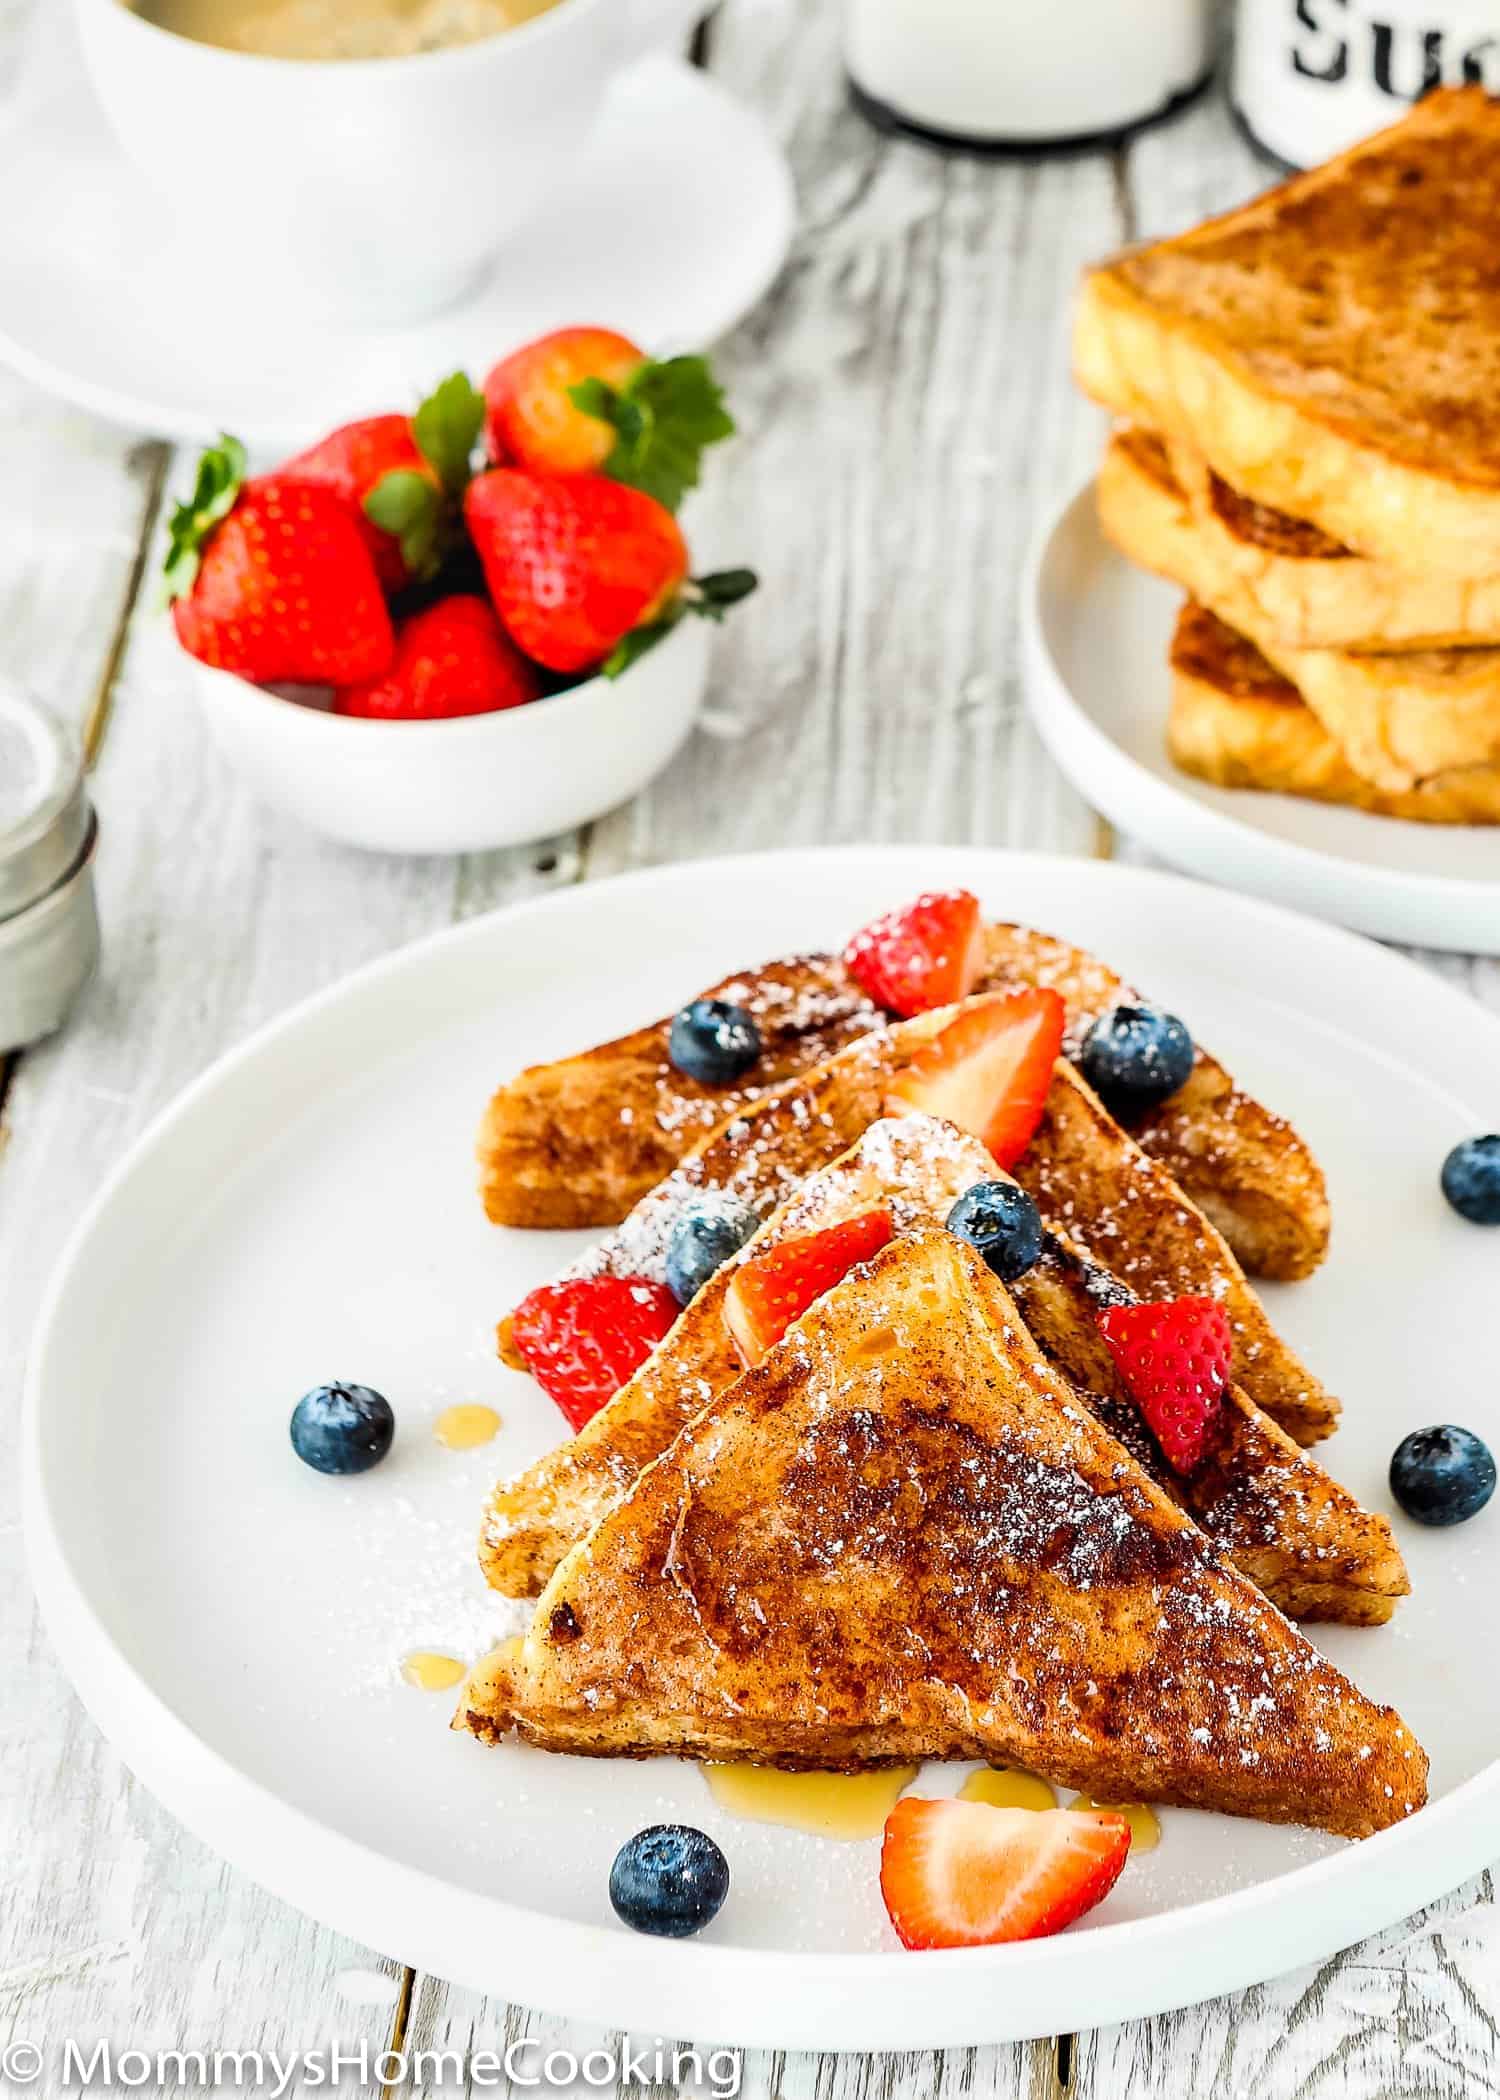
{"x": 306, "y": 1211}
{"x": 1095, "y": 631}
{"x": 679, "y": 219}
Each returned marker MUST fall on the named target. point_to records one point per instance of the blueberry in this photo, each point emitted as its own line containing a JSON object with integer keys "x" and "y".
{"x": 706, "y": 1234}
{"x": 1442, "y": 1475}
{"x": 342, "y": 1428}
{"x": 1134, "y": 1057}
{"x": 714, "y": 1042}
{"x": 1001, "y": 1222}
{"x": 1471, "y": 1180}
{"x": 669, "y": 1880}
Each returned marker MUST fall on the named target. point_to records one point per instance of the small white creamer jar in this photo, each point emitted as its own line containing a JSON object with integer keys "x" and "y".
{"x": 49, "y": 929}
{"x": 994, "y": 75}
{"x": 1313, "y": 76}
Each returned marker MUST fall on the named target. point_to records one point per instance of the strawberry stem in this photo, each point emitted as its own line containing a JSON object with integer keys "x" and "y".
{"x": 216, "y": 490}
{"x": 709, "y": 597}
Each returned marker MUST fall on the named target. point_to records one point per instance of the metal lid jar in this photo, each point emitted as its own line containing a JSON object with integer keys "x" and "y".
{"x": 49, "y": 926}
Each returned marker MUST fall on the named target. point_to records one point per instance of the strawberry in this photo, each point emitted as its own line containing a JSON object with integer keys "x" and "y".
{"x": 770, "y": 1291}
{"x": 531, "y": 417}
{"x": 587, "y": 400}
{"x": 988, "y": 1070}
{"x": 573, "y": 562}
{"x": 928, "y": 954}
{"x": 962, "y": 1874}
{"x": 271, "y": 579}
{"x": 453, "y": 659}
{"x": 583, "y": 1339}
{"x": 1174, "y": 1358}
{"x": 352, "y": 461}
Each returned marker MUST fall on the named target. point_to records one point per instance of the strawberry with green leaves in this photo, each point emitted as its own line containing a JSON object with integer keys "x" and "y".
{"x": 353, "y": 460}
{"x": 452, "y": 658}
{"x": 405, "y": 477}
{"x": 586, "y": 400}
{"x": 584, "y": 572}
{"x": 272, "y": 579}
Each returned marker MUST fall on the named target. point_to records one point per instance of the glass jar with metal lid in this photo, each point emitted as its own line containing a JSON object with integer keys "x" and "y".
{"x": 49, "y": 926}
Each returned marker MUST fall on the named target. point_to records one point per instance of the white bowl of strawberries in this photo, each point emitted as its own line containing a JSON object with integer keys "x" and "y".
{"x": 468, "y": 627}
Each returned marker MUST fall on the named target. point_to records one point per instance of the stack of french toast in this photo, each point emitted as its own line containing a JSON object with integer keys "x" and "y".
{"x": 1309, "y": 445}
{"x": 972, "y": 1440}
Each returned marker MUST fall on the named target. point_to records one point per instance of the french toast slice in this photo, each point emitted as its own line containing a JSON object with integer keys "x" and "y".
{"x": 1237, "y": 723}
{"x": 1398, "y": 718}
{"x": 580, "y": 1142}
{"x": 1169, "y": 511}
{"x": 1332, "y": 348}
{"x": 1243, "y": 1165}
{"x": 901, "y": 1537}
{"x": 1300, "y": 1537}
{"x": 1085, "y": 1172}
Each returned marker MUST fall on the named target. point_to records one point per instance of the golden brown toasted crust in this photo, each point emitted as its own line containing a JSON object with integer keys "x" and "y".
{"x": 577, "y": 1143}
{"x": 563, "y": 1144}
{"x": 901, "y": 1537}
{"x": 1333, "y": 347}
{"x": 1244, "y": 1166}
{"x": 1270, "y": 1507}
{"x": 1399, "y": 718}
{"x": 1236, "y": 722}
{"x": 1084, "y": 1171}
{"x": 1124, "y": 1209}
{"x": 1267, "y": 1505}
{"x": 1165, "y": 508}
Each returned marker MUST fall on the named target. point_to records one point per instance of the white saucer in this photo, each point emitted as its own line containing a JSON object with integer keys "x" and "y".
{"x": 1095, "y": 631}
{"x": 680, "y": 218}
{"x": 307, "y": 1211}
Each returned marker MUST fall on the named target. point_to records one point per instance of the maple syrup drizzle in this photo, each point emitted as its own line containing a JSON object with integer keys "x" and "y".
{"x": 428, "y": 1672}
{"x": 826, "y": 1804}
{"x": 466, "y": 1427}
{"x": 1001, "y": 1787}
{"x": 1145, "y": 1830}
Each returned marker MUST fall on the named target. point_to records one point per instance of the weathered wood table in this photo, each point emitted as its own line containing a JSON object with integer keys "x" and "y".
{"x": 908, "y": 420}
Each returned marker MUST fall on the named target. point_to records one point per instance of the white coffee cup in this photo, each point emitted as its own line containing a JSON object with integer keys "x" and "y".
{"x": 375, "y": 191}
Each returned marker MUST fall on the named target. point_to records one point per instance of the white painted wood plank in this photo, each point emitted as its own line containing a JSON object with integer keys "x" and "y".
{"x": 907, "y": 421}
{"x": 446, "y": 2019}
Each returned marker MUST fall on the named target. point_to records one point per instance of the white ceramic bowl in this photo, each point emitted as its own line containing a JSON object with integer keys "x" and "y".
{"x": 475, "y": 781}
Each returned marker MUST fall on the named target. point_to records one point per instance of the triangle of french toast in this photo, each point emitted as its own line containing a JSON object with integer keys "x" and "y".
{"x": 1301, "y": 1537}
{"x": 578, "y": 1142}
{"x": 1086, "y": 1173}
{"x": 901, "y": 1537}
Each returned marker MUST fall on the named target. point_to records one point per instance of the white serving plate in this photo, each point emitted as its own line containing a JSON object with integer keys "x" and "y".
{"x": 1095, "y": 631}
{"x": 306, "y": 1211}
{"x": 638, "y": 239}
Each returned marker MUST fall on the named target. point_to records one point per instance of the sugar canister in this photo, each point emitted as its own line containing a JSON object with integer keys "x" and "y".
{"x": 49, "y": 927}
{"x": 1312, "y": 76}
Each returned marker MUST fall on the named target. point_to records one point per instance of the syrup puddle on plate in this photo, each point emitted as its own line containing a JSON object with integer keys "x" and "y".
{"x": 1000, "y": 1787}
{"x": 1145, "y": 1830}
{"x": 466, "y": 1428}
{"x": 826, "y": 1804}
{"x": 429, "y": 1672}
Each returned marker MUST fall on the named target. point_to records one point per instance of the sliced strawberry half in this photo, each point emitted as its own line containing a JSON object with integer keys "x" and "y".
{"x": 928, "y": 954}
{"x": 581, "y": 1340}
{"x": 988, "y": 1071}
{"x": 1174, "y": 1358}
{"x": 770, "y": 1291}
{"x": 963, "y": 1874}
